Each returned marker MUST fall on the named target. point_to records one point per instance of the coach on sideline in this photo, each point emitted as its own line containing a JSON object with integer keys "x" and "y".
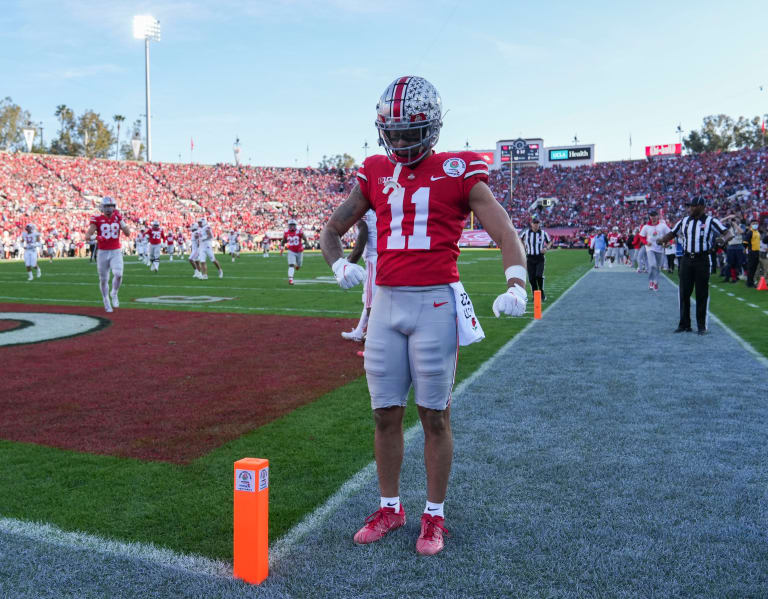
{"x": 536, "y": 242}
{"x": 697, "y": 231}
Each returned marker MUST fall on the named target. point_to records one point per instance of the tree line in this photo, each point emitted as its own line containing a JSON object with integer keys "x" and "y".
{"x": 720, "y": 133}
{"x": 87, "y": 134}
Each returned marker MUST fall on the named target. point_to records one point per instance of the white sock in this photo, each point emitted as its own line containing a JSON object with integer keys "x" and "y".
{"x": 393, "y": 502}
{"x": 291, "y": 270}
{"x": 434, "y": 509}
{"x": 104, "y": 284}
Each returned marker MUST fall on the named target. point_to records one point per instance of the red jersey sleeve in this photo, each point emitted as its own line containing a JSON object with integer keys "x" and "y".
{"x": 362, "y": 180}
{"x": 477, "y": 170}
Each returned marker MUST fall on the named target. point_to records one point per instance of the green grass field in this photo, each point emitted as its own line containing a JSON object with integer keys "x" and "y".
{"x": 312, "y": 451}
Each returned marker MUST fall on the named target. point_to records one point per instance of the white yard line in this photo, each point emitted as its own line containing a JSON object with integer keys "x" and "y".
{"x": 47, "y": 533}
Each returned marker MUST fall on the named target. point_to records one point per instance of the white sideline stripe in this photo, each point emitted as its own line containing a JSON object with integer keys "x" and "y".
{"x": 47, "y": 533}
{"x": 752, "y": 305}
{"x": 746, "y": 345}
{"x": 200, "y": 565}
{"x": 285, "y": 544}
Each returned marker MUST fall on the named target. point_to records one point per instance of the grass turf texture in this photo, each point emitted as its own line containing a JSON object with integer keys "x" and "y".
{"x": 312, "y": 450}
{"x": 730, "y": 303}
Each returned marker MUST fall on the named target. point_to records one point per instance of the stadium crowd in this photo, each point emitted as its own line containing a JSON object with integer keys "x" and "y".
{"x": 59, "y": 193}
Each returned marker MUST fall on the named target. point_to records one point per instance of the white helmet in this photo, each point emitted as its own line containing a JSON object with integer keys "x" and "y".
{"x": 202, "y": 222}
{"x": 292, "y": 223}
{"x": 155, "y": 223}
{"x": 107, "y": 202}
{"x": 410, "y": 109}
{"x": 193, "y": 227}
{"x": 615, "y": 229}
{"x": 30, "y": 227}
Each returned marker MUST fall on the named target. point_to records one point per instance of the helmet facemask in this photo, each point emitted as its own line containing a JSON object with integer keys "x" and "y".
{"x": 409, "y": 119}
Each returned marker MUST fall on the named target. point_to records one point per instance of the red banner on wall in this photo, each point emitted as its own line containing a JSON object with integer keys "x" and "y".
{"x": 663, "y": 150}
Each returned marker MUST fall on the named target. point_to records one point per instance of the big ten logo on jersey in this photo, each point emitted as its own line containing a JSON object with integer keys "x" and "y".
{"x": 110, "y": 230}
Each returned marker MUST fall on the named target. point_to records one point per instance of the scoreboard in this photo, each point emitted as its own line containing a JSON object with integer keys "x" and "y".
{"x": 519, "y": 150}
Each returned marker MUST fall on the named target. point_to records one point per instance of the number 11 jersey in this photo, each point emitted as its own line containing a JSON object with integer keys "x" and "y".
{"x": 421, "y": 215}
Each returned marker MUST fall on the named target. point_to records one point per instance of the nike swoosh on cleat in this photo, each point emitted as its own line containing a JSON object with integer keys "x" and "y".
{"x": 436, "y": 178}
{"x": 431, "y": 509}
{"x": 391, "y": 504}
{"x": 436, "y": 305}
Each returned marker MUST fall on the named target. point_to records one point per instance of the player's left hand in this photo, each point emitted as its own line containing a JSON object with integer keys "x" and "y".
{"x": 511, "y": 302}
{"x": 347, "y": 274}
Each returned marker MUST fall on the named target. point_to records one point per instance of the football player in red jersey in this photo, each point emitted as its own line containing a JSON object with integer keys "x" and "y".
{"x": 156, "y": 239}
{"x": 107, "y": 227}
{"x": 293, "y": 240}
{"x": 421, "y": 199}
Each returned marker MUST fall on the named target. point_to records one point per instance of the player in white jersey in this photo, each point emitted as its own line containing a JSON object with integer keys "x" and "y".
{"x": 265, "y": 246}
{"x": 365, "y": 246}
{"x": 233, "y": 245}
{"x": 30, "y": 240}
{"x": 194, "y": 250}
{"x": 205, "y": 249}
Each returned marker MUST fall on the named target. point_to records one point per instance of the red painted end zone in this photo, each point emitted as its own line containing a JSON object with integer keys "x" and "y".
{"x": 167, "y": 386}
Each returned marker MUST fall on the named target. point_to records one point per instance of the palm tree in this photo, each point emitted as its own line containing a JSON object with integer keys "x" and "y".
{"x": 118, "y": 118}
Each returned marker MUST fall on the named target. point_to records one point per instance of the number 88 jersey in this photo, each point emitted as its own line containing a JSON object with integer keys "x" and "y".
{"x": 421, "y": 215}
{"x": 108, "y": 230}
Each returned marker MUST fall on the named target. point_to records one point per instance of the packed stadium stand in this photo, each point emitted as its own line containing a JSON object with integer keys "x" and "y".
{"x": 58, "y": 193}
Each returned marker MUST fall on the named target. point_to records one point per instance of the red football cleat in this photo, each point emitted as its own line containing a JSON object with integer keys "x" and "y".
{"x": 379, "y": 523}
{"x": 430, "y": 540}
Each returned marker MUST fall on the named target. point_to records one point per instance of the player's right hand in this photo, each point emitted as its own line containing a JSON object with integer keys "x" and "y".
{"x": 347, "y": 274}
{"x": 511, "y": 302}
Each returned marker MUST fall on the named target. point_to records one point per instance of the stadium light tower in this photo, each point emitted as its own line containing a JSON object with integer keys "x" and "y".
{"x": 146, "y": 27}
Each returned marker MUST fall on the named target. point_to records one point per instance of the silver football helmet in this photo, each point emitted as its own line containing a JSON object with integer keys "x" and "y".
{"x": 108, "y": 205}
{"x": 409, "y": 118}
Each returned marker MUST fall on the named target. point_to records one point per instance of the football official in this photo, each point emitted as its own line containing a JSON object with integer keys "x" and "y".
{"x": 697, "y": 232}
{"x": 536, "y": 242}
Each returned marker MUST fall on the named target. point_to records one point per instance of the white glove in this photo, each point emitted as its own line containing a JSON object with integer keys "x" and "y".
{"x": 347, "y": 274}
{"x": 511, "y": 302}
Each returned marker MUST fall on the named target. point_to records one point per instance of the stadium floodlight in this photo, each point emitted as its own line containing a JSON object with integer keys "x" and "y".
{"x": 146, "y": 27}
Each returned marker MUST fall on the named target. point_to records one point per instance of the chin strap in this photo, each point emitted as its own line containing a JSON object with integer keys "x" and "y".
{"x": 392, "y": 184}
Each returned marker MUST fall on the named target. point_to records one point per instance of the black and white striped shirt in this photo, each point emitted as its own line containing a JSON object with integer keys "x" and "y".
{"x": 698, "y": 233}
{"x": 534, "y": 240}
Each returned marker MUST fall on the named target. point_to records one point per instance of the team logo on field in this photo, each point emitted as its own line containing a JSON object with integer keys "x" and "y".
{"x": 182, "y": 299}
{"x": 454, "y": 167}
{"x": 36, "y": 327}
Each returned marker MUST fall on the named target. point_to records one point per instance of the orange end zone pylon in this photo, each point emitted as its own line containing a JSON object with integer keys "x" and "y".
{"x": 251, "y": 545}
{"x": 537, "y": 305}
{"x": 761, "y": 286}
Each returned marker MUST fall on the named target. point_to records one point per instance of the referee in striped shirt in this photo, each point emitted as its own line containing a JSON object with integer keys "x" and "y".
{"x": 537, "y": 242}
{"x": 697, "y": 231}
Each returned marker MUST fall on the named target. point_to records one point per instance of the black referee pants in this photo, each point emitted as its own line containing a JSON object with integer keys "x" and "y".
{"x": 535, "y": 266}
{"x": 694, "y": 273}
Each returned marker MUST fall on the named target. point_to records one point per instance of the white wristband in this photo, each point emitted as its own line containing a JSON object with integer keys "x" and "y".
{"x": 516, "y": 272}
